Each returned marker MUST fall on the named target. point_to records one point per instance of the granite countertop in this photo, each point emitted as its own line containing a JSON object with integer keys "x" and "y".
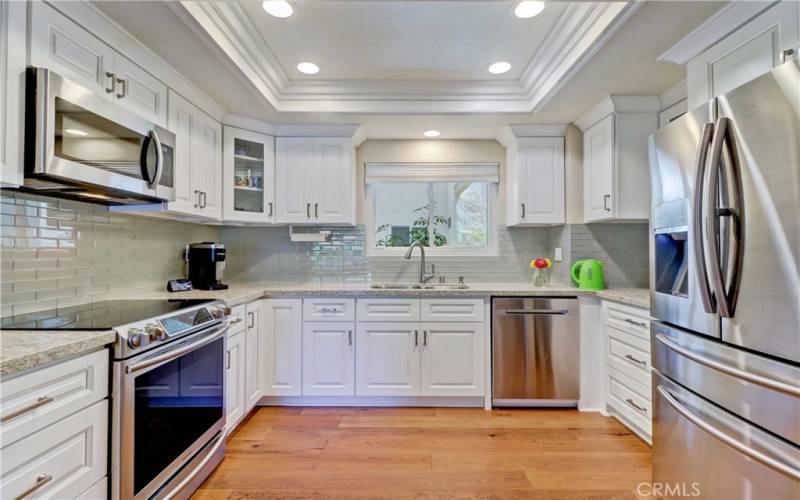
{"x": 24, "y": 349}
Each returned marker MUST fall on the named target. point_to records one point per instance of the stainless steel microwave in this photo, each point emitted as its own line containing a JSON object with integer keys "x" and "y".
{"x": 84, "y": 146}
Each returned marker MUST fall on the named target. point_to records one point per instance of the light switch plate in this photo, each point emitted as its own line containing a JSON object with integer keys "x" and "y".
{"x": 557, "y": 257}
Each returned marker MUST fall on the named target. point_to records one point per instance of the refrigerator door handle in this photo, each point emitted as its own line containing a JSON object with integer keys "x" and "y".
{"x": 734, "y": 443}
{"x": 706, "y": 297}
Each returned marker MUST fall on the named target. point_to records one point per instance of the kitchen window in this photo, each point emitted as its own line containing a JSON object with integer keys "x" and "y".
{"x": 449, "y": 208}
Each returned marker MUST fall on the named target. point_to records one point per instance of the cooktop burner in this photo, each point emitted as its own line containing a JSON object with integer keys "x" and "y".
{"x": 103, "y": 315}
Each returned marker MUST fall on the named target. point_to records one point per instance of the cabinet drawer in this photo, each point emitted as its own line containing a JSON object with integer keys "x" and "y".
{"x": 237, "y": 320}
{"x": 629, "y": 402}
{"x": 98, "y": 491}
{"x": 65, "y": 459}
{"x": 37, "y": 399}
{"x": 402, "y": 309}
{"x": 329, "y": 309}
{"x": 452, "y": 309}
{"x": 629, "y": 360}
{"x": 629, "y": 319}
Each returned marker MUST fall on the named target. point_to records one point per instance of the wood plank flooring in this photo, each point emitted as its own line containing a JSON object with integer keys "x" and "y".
{"x": 429, "y": 453}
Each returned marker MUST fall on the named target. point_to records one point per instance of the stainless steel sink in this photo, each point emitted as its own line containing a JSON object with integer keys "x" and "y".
{"x": 417, "y": 286}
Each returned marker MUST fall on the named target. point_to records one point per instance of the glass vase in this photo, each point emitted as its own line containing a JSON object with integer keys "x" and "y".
{"x": 541, "y": 277}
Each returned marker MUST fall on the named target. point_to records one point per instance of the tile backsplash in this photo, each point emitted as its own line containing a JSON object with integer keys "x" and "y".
{"x": 58, "y": 253}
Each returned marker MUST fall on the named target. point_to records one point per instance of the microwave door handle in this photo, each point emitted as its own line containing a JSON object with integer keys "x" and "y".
{"x": 153, "y": 183}
{"x": 697, "y": 224}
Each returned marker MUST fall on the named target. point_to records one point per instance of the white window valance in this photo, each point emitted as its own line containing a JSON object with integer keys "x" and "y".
{"x": 431, "y": 172}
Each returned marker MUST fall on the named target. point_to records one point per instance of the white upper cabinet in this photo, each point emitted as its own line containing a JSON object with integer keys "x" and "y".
{"x": 59, "y": 44}
{"x": 198, "y": 157}
{"x": 315, "y": 180}
{"x": 749, "y": 51}
{"x": 248, "y": 179}
{"x": 12, "y": 83}
{"x": 616, "y": 176}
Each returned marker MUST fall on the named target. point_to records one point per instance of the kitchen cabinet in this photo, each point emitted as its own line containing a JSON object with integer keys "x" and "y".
{"x": 535, "y": 181}
{"x": 388, "y": 359}
{"x": 329, "y": 358}
{"x": 616, "y": 175}
{"x": 59, "y": 44}
{"x": 314, "y": 180}
{"x": 248, "y": 180}
{"x": 253, "y": 368}
{"x": 197, "y": 163}
{"x": 452, "y": 359}
{"x": 751, "y": 50}
{"x": 282, "y": 347}
{"x": 13, "y": 49}
{"x": 234, "y": 379}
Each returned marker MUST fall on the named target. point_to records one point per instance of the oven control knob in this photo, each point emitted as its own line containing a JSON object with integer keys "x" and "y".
{"x": 155, "y": 332}
{"x": 220, "y": 312}
{"x": 136, "y": 338}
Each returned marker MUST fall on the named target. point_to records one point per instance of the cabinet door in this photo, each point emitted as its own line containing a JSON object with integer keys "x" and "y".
{"x": 181, "y": 123}
{"x": 328, "y": 358}
{"x": 452, "y": 359}
{"x": 541, "y": 180}
{"x": 598, "y": 171}
{"x": 234, "y": 380}
{"x": 248, "y": 181}
{"x": 59, "y": 44}
{"x": 294, "y": 157}
{"x": 12, "y": 84}
{"x": 387, "y": 359}
{"x": 253, "y": 368}
{"x": 138, "y": 91}
{"x": 282, "y": 347}
{"x": 332, "y": 181}
{"x": 207, "y": 163}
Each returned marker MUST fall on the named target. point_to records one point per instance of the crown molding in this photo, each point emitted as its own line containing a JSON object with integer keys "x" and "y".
{"x": 715, "y": 28}
{"x": 511, "y": 132}
{"x": 354, "y": 131}
{"x": 581, "y": 30}
{"x": 618, "y": 104}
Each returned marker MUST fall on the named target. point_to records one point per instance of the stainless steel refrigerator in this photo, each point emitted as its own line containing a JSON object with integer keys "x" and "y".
{"x": 725, "y": 294}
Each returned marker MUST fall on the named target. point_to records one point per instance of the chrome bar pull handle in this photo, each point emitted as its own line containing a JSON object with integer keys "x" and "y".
{"x": 40, "y": 481}
{"x": 227, "y": 360}
{"x": 308, "y": 210}
{"x": 110, "y": 77}
{"x": 635, "y": 360}
{"x": 124, "y": 84}
{"x": 316, "y": 210}
{"x": 270, "y": 210}
{"x": 637, "y": 323}
{"x": 523, "y": 210}
{"x": 349, "y": 337}
{"x": 424, "y": 337}
{"x": 633, "y": 403}
{"x": 40, "y": 401}
{"x": 416, "y": 337}
{"x": 606, "y": 199}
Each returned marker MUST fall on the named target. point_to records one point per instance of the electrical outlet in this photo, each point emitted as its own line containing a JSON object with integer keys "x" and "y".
{"x": 557, "y": 257}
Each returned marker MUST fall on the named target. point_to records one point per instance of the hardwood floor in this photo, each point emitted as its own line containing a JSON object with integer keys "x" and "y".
{"x": 435, "y": 453}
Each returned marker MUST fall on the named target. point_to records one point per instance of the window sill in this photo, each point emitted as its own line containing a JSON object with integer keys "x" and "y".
{"x": 491, "y": 251}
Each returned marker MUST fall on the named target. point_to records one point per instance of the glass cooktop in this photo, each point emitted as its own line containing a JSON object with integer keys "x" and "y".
{"x": 103, "y": 315}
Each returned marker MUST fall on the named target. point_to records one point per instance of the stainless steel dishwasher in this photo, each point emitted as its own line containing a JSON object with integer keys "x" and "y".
{"x": 535, "y": 349}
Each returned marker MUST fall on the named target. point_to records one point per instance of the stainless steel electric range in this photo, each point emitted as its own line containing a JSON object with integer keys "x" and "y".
{"x": 168, "y": 389}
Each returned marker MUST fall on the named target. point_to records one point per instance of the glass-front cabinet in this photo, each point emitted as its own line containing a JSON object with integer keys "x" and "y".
{"x": 249, "y": 176}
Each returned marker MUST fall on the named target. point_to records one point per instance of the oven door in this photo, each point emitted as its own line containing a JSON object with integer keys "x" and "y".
{"x": 83, "y": 142}
{"x": 170, "y": 406}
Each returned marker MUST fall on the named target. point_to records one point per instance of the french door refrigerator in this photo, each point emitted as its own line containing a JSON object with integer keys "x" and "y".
{"x": 725, "y": 294}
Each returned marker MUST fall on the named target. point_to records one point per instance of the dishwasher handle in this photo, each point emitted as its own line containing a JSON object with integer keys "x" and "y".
{"x": 546, "y": 312}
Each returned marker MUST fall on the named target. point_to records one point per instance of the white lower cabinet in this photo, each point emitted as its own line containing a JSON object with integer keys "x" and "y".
{"x": 282, "y": 347}
{"x": 328, "y": 358}
{"x": 234, "y": 379}
{"x": 252, "y": 367}
{"x": 388, "y": 359}
{"x": 452, "y": 359}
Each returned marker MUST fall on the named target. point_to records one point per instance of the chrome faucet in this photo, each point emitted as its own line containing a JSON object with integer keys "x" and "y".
{"x": 423, "y": 278}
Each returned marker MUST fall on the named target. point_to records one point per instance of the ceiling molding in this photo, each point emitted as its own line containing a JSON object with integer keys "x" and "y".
{"x": 512, "y": 131}
{"x": 355, "y": 131}
{"x": 715, "y": 28}
{"x": 581, "y": 30}
{"x": 618, "y": 104}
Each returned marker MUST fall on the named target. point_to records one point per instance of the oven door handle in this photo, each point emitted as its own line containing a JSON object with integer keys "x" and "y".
{"x": 188, "y": 479}
{"x": 177, "y": 352}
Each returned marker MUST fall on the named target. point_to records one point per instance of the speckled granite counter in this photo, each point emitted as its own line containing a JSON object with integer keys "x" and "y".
{"x": 24, "y": 349}
{"x": 243, "y": 293}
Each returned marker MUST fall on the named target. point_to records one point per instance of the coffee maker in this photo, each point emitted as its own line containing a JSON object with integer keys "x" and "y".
{"x": 206, "y": 263}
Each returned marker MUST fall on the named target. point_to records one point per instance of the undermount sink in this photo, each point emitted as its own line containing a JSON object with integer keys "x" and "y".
{"x": 417, "y": 286}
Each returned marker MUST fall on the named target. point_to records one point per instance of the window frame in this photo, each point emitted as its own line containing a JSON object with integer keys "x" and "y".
{"x": 490, "y": 250}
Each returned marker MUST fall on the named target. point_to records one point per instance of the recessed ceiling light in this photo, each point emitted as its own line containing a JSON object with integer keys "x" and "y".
{"x": 528, "y": 9}
{"x": 76, "y": 131}
{"x": 431, "y": 133}
{"x": 308, "y": 68}
{"x": 499, "y": 67}
{"x": 278, "y": 8}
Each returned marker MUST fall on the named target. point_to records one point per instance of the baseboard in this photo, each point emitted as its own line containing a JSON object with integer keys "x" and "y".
{"x": 381, "y": 401}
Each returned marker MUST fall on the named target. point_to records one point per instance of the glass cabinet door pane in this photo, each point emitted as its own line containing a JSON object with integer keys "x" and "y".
{"x": 248, "y": 176}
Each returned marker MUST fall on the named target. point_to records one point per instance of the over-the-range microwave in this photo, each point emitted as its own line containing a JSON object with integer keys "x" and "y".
{"x": 84, "y": 146}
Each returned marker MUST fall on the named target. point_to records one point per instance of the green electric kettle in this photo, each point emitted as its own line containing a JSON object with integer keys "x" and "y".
{"x": 588, "y": 274}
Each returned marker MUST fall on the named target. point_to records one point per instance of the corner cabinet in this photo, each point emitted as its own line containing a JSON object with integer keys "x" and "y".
{"x": 248, "y": 177}
{"x": 315, "y": 180}
{"x": 535, "y": 183}
{"x": 616, "y": 171}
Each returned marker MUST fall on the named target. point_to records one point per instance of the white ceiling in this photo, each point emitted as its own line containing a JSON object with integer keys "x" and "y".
{"x": 392, "y": 40}
{"x": 626, "y": 64}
